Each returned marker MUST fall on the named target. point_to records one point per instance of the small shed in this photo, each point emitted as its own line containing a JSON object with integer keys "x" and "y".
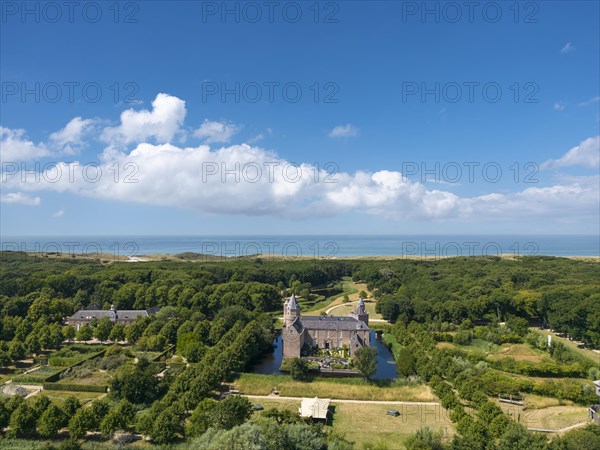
{"x": 317, "y": 408}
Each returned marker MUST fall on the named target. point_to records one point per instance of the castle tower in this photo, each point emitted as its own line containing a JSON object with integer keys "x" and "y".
{"x": 291, "y": 310}
{"x": 360, "y": 312}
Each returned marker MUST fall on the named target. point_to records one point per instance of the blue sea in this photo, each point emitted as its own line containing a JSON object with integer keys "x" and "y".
{"x": 324, "y": 246}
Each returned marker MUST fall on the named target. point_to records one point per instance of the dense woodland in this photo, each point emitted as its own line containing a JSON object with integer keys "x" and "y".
{"x": 217, "y": 316}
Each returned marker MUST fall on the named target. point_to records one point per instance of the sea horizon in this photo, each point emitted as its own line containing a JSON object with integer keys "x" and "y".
{"x": 312, "y": 245}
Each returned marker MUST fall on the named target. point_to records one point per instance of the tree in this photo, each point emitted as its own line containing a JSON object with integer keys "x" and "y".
{"x": 40, "y": 404}
{"x": 4, "y": 358}
{"x": 85, "y": 333}
{"x": 137, "y": 384}
{"x": 406, "y": 362}
{"x": 362, "y": 294}
{"x": 167, "y": 426}
{"x": 365, "y": 361}
{"x": 32, "y": 343}
{"x": 68, "y": 332}
{"x": 4, "y": 414}
{"x": 516, "y": 437}
{"x": 16, "y": 350}
{"x": 22, "y": 421}
{"x": 52, "y": 420}
{"x": 56, "y": 336}
{"x": 82, "y": 422}
{"x": 201, "y": 418}
{"x": 424, "y": 439}
{"x": 70, "y": 406}
{"x": 117, "y": 333}
{"x": 299, "y": 369}
{"x": 103, "y": 329}
{"x": 118, "y": 418}
{"x": 232, "y": 411}
{"x": 190, "y": 346}
{"x": 586, "y": 438}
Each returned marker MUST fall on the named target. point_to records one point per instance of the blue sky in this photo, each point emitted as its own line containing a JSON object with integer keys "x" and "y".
{"x": 368, "y": 124}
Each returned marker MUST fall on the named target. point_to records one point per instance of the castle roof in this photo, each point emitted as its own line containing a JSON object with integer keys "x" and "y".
{"x": 360, "y": 307}
{"x": 292, "y": 303}
{"x": 112, "y": 314}
{"x": 332, "y": 323}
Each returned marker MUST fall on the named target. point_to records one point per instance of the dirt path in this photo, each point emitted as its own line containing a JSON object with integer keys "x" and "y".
{"x": 561, "y": 430}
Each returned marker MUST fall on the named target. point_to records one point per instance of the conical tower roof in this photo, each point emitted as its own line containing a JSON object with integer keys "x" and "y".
{"x": 292, "y": 303}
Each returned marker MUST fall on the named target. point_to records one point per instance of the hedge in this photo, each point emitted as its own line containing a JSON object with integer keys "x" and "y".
{"x": 74, "y": 387}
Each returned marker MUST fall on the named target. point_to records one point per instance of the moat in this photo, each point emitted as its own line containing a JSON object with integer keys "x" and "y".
{"x": 386, "y": 366}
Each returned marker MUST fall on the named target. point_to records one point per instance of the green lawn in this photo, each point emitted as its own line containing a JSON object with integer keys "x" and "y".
{"x": 369, "y": 424}
{"x": 83, "y": 397}
{"x": 341, "y": 388}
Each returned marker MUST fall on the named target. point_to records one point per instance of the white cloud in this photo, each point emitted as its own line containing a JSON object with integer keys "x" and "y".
{"x": 216, "y": 132}
{"x": 559, "y": 106}
{"x": 585, "y": 154}
{"x": 253, "y": 140}
{"x": 14, "y": 146}
{"x": 70, "y": 139}
{"x": 591, "y": 101}
{"x": 59, "y": 213}
{"x": 161, "y": 124}
{"x": 347, "y": 130}
{"x": 567, "y": 48}
{"x": 19, "y": 198}
{"x": 246, "y": 180}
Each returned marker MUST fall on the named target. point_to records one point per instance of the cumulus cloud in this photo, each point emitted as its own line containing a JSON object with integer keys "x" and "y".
{"x": 216, "y": 132}
{"x": 70, "y": 139}
{"x": 567, "y": 48}
{"x": 342, "y": 131}
{"x": 59, "y": 213}
{"x": 246, "y": 180}
{"x": 15, "y": 146}
{"x": 559, "y": 106}
{"x": 586, "y": 154}
{"x": 19, "y": 198}
{"x": 161, "y": 124}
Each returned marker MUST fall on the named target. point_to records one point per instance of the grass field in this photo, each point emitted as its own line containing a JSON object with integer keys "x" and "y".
{"x": 345, "y": 309}
{"x": 97, "y": 377}
{"x": 550, "y": 417}
{"x": 351, "y": 289}
{"x": 366, "y": 423}
{"x": 520, "y": 352}
{"x": 83, "y": 397}
{"x": 593, "y": 356}
{"x": 340, "y": 388}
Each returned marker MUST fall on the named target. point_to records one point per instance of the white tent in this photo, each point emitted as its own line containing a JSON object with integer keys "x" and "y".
{"x": 317, "y": 408}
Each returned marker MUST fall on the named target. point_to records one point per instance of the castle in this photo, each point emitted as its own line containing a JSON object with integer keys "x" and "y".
{"x": 300, "y": 334}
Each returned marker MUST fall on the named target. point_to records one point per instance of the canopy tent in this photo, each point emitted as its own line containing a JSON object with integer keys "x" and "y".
{"x": 317, "y": 408}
